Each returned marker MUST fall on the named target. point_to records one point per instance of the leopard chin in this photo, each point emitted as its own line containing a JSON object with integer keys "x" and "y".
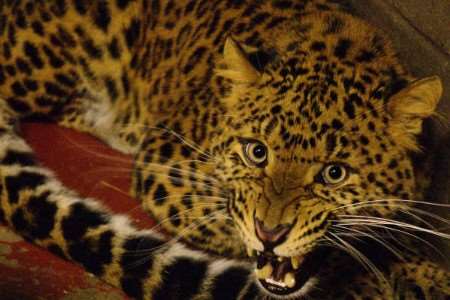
{"x": 284, "y": 277}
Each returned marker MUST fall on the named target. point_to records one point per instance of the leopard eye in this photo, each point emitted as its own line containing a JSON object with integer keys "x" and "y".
{"x": 334, "y": 174}
{"x": 256, "y": 153}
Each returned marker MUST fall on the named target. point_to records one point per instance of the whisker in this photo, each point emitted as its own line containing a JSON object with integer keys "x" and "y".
{"x": 361, "y": 258}
{"x": 185, "y": 212}
{"x": 384, "y": 243}
{"x": 355, "y": 220}
{"x": 390, "y": 200}
{"x": 181, "y": 138}
{"x": 389, "y": 229}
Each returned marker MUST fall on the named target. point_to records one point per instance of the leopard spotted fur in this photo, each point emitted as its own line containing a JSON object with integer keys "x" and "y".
{"x": 263, "y": 131}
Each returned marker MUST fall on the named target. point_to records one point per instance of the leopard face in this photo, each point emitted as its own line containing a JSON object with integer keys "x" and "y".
{"x": 316, "y": 139}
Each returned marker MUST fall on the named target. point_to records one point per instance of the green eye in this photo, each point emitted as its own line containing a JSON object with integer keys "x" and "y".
{"x": 334, "y": 174}
{"x": 256, "y": 153}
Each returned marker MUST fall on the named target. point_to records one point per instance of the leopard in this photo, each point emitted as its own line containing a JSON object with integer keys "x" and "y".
{"x": 273, "y": 142}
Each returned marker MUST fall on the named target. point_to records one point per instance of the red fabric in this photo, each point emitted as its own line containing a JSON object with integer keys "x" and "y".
{"x": 91, "y": 168}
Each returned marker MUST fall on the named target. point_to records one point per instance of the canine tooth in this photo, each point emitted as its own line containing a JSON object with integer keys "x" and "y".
{"x": 250, "y": 252}
{"x": 295, "y": 261}
{"x": 289, "y": 279}
{"x": 264, "y": 272}
{"x": 280, "y": 259}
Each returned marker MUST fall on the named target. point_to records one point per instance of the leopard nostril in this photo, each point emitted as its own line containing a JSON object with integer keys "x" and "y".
{"x": 271, "y": 236}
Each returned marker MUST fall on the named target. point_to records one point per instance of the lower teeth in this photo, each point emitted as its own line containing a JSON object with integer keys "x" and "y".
{"x": 274, "y": 282}
{"x": 289, "y": 279}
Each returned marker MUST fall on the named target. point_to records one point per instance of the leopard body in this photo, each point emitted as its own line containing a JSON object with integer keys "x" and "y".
{"x": 187, "y": 87}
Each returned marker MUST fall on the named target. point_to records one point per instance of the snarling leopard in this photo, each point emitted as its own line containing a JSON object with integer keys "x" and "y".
{"x": 273, "y": 139}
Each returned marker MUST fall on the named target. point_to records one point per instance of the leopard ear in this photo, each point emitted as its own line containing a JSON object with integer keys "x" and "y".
{"x": 411, "y": 106}
{"x": 238, "y": 67}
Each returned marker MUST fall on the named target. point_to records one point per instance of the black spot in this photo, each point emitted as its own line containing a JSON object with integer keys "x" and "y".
{"x": 181, "y": 279}
{"x": 21, "y": 20}
{"x": 65, "y": 80}
{"x": 334, "y": 25}
{"x": 336, "y": 124}
{"x": 371, "y": 177}
{"x": 186, "y": 151}
{"x": 55, "y": 90}
{"x": 393, "y": 164}
{"x": 2, "y": 76}
{"x": 12, "y": 34}
{"x": 14, "y": 157}
{"x": 18, "y": 105}
{"x": 132, "y": 33}
{"x": 114, "y": 49}
{"x": 111, "y": 88}
{"x": 33, "y": 54}
{"x": 91, "y": 49}
{"x": 18, "y": 89}
{"x": 331, "y": 142}
{"x": 38, "y": 28}
{"x": 160, "y": 194}
{"x": 136, "y": 262}
{"x": 165, "y": 152}
{"x": 80, "y": 219}
{"x": 7, "y": 51}
{"x": 122, "y": 4}
{"x": 59, "y": 8}
{"x": 187, "y": 200}
{"x": 365, "y": 56}
{"x": 229, "y": 284}
{"x": 40, "y": 217}
{"x": 23, "y": 66}
{"x": 54, "y": 60}
{"x": 175, "y": 176}
{"x": 174, "y": 216}
{"x": 364, "y": 140}
{"x": 44, "y": 101}
{"x": 10, "y": 70}
{"x": 342, "y": 47}
{"x": 318, "y": 46}
{"x": 194, "y": 59}
{"x": 93, "y": 252}
{"x": 22, "y": 181}
{"x": 66, "y": 37}
{"x": 81, "y": 6}
{"x": 148, "y": 183}
{"x": 282, "y": 4}
{"x": 125, "y": 83}
{"x": 276, "y": 109}
{"x": 102, "y": 15}
{"x": 349, "y": 109}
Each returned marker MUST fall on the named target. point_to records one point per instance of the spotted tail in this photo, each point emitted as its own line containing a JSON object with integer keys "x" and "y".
{"x": 142, "y": 263}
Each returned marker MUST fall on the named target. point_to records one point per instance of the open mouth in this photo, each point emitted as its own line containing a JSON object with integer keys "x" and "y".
{"x": 287, "y": 275}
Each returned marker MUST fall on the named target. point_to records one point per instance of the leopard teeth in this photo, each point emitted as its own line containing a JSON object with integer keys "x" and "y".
{"x": 289, "y": 280}
{"x": 264, "y": 272}
{"x": 250, "y": 252}
{"x": 296, "y": 261}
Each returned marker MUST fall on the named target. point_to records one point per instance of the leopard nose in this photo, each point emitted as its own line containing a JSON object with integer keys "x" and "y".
{"x": 271, "y": 237}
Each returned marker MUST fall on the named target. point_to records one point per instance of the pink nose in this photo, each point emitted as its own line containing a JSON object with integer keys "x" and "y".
{"x": 273, "y": 236}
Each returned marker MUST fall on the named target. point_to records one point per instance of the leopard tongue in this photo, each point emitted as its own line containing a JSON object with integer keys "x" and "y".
{"x": 281, "y": 269}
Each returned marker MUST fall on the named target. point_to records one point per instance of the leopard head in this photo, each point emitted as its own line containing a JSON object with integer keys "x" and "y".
{"x": 316, "y": 142}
